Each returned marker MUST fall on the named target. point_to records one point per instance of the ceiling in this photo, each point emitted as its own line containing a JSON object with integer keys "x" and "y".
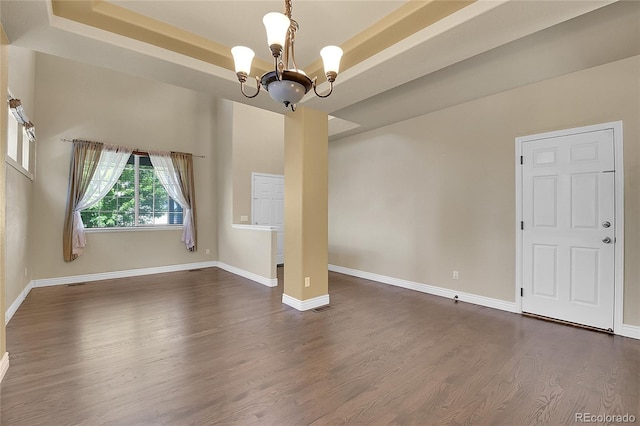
{"x": 402, "y": 58}
{"x": 231, "y": 23}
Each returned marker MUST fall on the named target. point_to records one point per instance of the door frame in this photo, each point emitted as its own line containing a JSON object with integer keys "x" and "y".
{"x": 616, "y": 127}
{"x": 253, "y": 189}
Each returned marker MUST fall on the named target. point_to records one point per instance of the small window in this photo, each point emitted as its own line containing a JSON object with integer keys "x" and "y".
{"x": 26, "y": 150}
{"x": 14, "y": 134}
{"x": 20, "y": 139}
{"x": 136, "y": 200}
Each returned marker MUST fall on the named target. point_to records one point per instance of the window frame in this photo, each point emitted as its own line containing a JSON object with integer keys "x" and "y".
{"x": 22, "y": 143}
{"x": 136, "y": 227}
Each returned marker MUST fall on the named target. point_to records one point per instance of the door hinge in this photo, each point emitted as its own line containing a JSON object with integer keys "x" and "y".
{"x": 522, "y": 225}
{"x": 521, "y": 159}
{"x": 521, "y": 292}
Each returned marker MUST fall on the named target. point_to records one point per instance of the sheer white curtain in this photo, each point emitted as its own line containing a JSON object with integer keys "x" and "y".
{"x": 108, "y": 171}
{"x": 168, "y": 177}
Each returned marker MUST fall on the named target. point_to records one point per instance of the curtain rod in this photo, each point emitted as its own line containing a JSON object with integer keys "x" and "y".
{"x": 135, "y": 150}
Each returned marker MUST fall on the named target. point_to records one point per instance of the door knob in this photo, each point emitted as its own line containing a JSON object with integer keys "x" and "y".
{"x": 606, "y": 224}
{"x": 606, "y": 240}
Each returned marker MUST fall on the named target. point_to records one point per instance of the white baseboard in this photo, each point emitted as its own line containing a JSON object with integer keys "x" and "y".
{"x": 305, "y": 305}
{"x": 430, "y": 289}
{"x": 46, "y": 282}
{"x": 269, "y": 282}
{"x": 627, "y": 330}
{"x": 16, "y": 303}
{"x": 632, "y": 331}
{"x": 4, "y": 365}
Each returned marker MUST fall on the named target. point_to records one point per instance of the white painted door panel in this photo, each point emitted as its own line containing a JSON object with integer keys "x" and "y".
{"x": 568, "y": 194}
{"x": 268, "y": 206}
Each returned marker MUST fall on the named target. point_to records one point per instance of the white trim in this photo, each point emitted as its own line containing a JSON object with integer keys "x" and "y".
{"x": 632, "y": 331}
{"x": 618, "y": 310}
{"x": 618, "y": 316}
{"x": 4, "y": 365}
{"x": 18, "y": 167}
{"x": 266, "y": 175}
{"x": 269, "y": 282}
{"x": 305, "y": 305}
{"x": 255, "y": 227}
{"x": 16, "y": 303}
{"x": 46, "y": 282}
{"x": 519, "y": 215}
{"x": 502, "y": 305}
{"x": 134, "y": 229}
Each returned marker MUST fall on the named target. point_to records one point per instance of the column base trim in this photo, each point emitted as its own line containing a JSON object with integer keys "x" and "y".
{"x": 4, "y": 365}
{"x": 305, "y": 305}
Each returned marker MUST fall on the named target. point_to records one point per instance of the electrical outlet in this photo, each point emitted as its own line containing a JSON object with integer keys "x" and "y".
{"x": 207, "y": 251}
{"x": 307, "y": 282}
{"x": 244, "y": 218}
{"x": 26, "y": 272}
{"x": 456, "y": 275}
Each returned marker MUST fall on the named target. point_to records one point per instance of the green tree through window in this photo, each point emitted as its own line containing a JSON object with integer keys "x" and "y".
{"x": 137, "y": 199}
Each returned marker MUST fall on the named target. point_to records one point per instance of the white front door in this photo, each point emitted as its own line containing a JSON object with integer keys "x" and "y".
{"x": 268, "y": 206}
{"x": 568, "y": 227}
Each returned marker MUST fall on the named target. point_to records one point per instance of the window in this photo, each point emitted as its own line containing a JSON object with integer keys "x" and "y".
{"x": 20, "y": 139}
{"x": 14, "y": 133}
{"x": 136, "y": 200}
{"x": 26, "y": 150}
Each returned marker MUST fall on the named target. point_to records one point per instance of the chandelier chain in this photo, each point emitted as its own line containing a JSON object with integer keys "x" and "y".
{"x": 289, "y": 52}
{"x": 287, "y": 8}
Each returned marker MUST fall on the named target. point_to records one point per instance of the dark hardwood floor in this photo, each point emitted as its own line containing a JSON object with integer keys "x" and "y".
{"x": 208, "y": 347}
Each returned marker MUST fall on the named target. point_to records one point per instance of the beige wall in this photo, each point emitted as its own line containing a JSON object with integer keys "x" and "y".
{"x": 258, "y": 146}
{"x": 19, "y": 202}
{"x": 19, "y": 187}
{"x": 74, "y": 100}
{"x": 247, "y": 249}
{"x": 418, "y": 199}
{"x": 4, "y": 78}
{"x": 22, "y": 71}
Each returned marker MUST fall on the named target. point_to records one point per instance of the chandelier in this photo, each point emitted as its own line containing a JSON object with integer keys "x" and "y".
{"x": 287, "y": 83}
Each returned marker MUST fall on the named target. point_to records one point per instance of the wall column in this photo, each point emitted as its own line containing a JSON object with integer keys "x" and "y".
{"x": 306, "y": 143}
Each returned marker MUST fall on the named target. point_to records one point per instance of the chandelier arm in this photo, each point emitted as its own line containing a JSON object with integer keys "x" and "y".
{"x": 278, "y": 76}
{"x": 292, "y": 40}
{"x": 285, "y": 49}
{"x": 318, "y": 94}
{"x": 257, "y": 89}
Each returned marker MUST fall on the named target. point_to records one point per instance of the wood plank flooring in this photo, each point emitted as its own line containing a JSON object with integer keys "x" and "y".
{"x": 208, "y": 347}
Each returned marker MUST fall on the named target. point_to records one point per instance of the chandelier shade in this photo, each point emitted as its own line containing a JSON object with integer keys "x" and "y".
{"x": 287, "y": 83}
{"x": 277, "y": 26}
{"x": 331, "y": 56}
{"x": 242, "y": 58}
{"x": 290, "y": 89}
{"x": 286, "y": 91}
